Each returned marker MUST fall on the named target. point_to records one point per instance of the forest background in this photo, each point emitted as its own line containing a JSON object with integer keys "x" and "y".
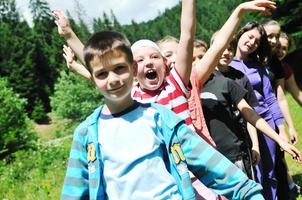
{"x": 42, "y": 101}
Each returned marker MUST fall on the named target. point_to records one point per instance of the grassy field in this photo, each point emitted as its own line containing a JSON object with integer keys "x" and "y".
{"x": 296, "y": 169}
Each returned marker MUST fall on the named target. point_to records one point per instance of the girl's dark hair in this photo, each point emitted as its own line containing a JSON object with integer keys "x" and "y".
{"x": 263, "y": 53}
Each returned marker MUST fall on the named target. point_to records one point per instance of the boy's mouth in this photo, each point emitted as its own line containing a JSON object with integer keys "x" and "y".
{"x": 151, "y": 74}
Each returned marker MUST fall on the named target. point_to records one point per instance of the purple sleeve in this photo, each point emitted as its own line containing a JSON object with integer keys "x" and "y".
{"x": 271, "y": 100}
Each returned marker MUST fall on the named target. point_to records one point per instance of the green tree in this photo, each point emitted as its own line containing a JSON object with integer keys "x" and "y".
{"x": 14, "y": 125}
{"x": 16, "y": 53}
{"x": 8, "y": 11}
{"x": 74, "y": 97}
{"x": 47, "y": 53}
{"x": 289, "y": 15}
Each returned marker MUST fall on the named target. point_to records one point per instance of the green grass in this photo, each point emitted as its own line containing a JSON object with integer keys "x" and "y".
{"x": 296, "y": 169}
{"x": 35, "y": 174}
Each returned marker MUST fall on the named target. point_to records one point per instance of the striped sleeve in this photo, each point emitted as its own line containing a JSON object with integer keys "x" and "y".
{"x": 214, "y": 170}
{"x": 76, "y": 185}
{"x": 179, "y": 83}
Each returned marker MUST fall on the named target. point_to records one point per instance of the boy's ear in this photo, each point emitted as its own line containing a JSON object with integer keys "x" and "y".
{"x": 134, "y": 66}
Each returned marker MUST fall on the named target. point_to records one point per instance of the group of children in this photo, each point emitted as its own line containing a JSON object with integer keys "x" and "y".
{"x": 182, "y": 129}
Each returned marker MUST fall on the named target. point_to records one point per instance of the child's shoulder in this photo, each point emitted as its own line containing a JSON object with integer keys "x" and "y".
{"x": 91, "y": 119}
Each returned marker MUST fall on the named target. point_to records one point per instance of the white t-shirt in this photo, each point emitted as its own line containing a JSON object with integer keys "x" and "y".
{"x": 132, "y": 153}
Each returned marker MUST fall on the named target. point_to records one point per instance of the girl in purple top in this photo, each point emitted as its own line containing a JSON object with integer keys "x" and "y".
{"x": 252, "y": 53}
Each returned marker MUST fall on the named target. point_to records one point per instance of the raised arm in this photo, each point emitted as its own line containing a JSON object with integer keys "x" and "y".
{"x": 252, "y": 117}
{"x": 210, "y": 60}
{"x": 66, "y": 31}
{"x": 73, "y": 64}
{"x": 184, "y": 57}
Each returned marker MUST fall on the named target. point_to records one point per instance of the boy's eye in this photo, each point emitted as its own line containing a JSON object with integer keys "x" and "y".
{"x": 120, "y": 69}
{"x": 102, "y": 75}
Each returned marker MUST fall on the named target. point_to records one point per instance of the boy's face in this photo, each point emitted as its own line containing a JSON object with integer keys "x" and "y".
{"x": 273, "y": 34}
{"x": 283, "y": 48}
{"x": 169, "y": 51}
{"x": 113, "y": 77}
{"x": 226, "y": 57}
{"x": 151, "y": 68}
{"x": 198, "y": 53}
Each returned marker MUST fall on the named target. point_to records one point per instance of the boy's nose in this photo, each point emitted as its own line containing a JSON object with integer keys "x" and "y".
{"x": 113, "y": 78}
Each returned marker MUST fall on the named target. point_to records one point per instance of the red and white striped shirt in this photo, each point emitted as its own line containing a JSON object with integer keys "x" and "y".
{"x": 173, "y": 94}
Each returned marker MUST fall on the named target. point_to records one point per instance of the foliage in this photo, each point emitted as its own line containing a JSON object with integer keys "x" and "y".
{"x": 74, "y": 97}
{"x": 35, "y": 52}
{"x": 288, "y": 14}
{"x": 36, "y": 173}
{"x": 30, "y": 57}
{"x": 14, "y": 124}
{"x": 39, "y": 114}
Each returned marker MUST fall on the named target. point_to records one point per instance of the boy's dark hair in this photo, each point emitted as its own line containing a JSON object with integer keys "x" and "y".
{"x": 263, "y": 53}
{"x": 104, "y": 42}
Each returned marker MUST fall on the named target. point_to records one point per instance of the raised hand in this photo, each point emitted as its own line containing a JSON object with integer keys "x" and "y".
{"x": 62, "y": 21}
{"x": 263, "y": 6}
{"x": 69, "y": 57}
{"x": 73, "y": 64}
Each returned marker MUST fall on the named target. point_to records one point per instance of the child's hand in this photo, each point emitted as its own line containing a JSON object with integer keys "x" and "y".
{"x": 62, "y": 21}
{"x": 293, "y": 135}
{"x": 69, "y": 57}
{"x": 73, "y": 64}
{"x": 255, "y": 155}
{"x": 262, "y": 6}
{"x": 293, "y": 151}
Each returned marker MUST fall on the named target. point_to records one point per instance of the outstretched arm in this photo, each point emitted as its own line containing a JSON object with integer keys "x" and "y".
{"x": 255, "y": 143}
{"x": 65, "y": 31}
{"x": 73, "y": 64}
{"x": 214, "y": 170}
{"x": 283, "y": 104}
{"x": 184, "y": 57}
{"x": 252, "y": 117}
{"x": 210, "y": 60}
